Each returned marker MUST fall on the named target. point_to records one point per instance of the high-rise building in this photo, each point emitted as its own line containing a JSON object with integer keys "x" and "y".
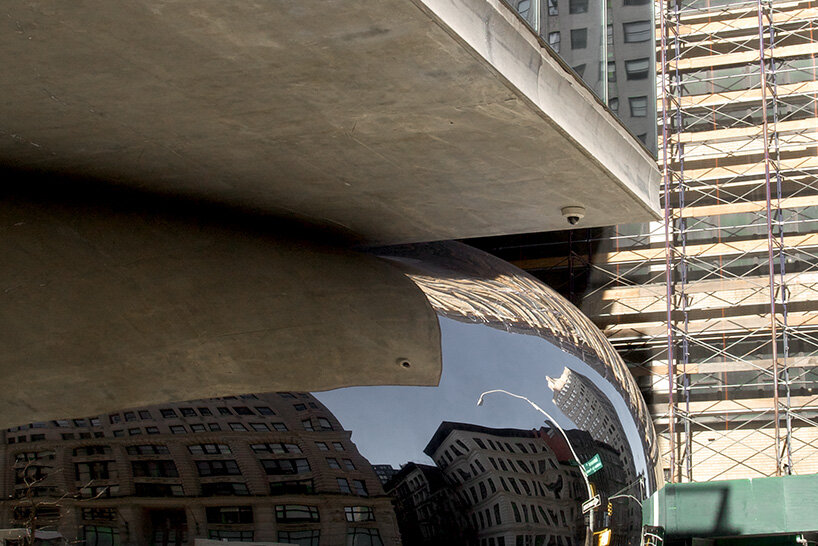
{"x": 738, "y": 87}
{"x": 273, "y": 467}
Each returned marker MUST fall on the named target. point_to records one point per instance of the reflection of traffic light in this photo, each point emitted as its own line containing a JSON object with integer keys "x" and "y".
{"x": 610, "y": 509}
{"x": 604, "y": 537}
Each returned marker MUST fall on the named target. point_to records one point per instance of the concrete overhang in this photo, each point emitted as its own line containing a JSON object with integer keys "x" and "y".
{"x": 395, "y": 121}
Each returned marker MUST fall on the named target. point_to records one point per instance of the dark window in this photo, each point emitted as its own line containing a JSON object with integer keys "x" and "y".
{"x": 224, "y": 411}
{"x": 228, "y": 535}
{"x": 333, "y": 463}
{"x": 228, "y": 515}
{"x": 98, "y": 535}
{"x": 237, "y": 427}
{"x": 292, "y": 487}
{"x": 299, "y": 407}
{"x": 134, "y": 431}
{"x": 214, "y": 426}
{"x": 145, "y": 414}
{"x": 577, "y": 6}
{"x": 130, "y": 416}
{"x": 286, "y": 395}
{"x": 479, "y": 443}
{"x": 154, "y": 469}
{"x": 187, "y": 412}
{"x": 77, "y": 423}
{"x": 97, "y": 470}
{"x": 39, "y": 437}
{"x": 639, "y": 106}
{"x": 259, "y": 427}
{"x": 343, "y": 485}
{"x": 322, "y": 446}
{"x": 178, "y": 429}
{"x": 296, "y": 513}
{"x": 208, "y": 449}
{"x": 281, "y": 427}
{"x": 303, "y": 538}
{"x": 363, "y": 536}
{"x": 264, "y": 410}
{"x": 243, "y": 410}
{"x": 148, "y": 449}
{"x": 279, "y": 449}
{"x": 637, "y": 69}
{"x": 90, "y": 451}
{"x": 579, "y": 38}
{"x": 197, "y": 427}
{"x": 324, "y": 423}
{"x": 152, "y": 430}
{"x": 360, "y": 488}
{"x": 205, "y": 412}
{"x": 276, "y": 467}
{"x": 158, "y": 490}
{"x": 167, "y": 413}
{"x": 337, "y": 446}
{"x": 348, "y": 464}
{"x": 307, "y": 424}
{"x": 218, "y": 468}
{"x": 224, "y": 488}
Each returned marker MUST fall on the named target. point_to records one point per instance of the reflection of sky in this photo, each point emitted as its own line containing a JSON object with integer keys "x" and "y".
{"x": 392, "y": 425}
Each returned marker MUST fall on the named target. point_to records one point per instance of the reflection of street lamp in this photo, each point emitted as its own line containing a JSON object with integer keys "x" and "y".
{"x": 558, "y": 427}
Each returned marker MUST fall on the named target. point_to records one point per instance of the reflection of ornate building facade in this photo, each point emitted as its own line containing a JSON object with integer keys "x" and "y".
{"x": 274, "y": 467}
{"x": 512, "y": 486}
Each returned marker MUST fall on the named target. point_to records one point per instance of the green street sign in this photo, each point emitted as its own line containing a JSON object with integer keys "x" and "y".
{"x": 593, "y": 465}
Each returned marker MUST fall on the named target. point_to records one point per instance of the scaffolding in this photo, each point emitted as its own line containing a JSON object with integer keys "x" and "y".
{"x": 716, "y": 309}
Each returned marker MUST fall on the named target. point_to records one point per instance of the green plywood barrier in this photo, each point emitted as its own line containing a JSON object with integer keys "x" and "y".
{"x": 733, "y": 508}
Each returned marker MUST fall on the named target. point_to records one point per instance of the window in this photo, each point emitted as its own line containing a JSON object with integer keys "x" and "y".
{"x": 324, "y": 423}
{"x": 322, "y": 446}
{"x": 497, "y": 519}
{"x": 154, "y": 469}
{"x": 348, "y": 464}
{"x": 229, "y": 515}
{"x": 259, "y": 427}
{"x": 145, "y": 414}
{"x": 579, "y": 69}
{"x": 167, "y": 413}
{"x": 577, "y": 6}
{"x": 553, "y": 8}
{"x": 579, "y": 38}
{"x": 337, "y": 446}
{"x": 637, "y": 69}
{"x": 281, "y": 427}
{"x": 333, "y": 463}
{"x": 609, "y": 35}
{"x": 134, "y": 431}
{"x": 214, "y": 426}
{"x": 637, "y": 31}
{"x": 158, "y": 490}
{"x": 197, "y": 427}
{"x": 89, "y": 451}
{"x": 343, "y": 485}
{"x": 130, "y": 416}
{"x": 114, "y": 418}
{"x": 77, "y": 423}
{"x": 639, "y": 106}
{"x": 360, "y": 488}
{"x": 554, "y": 41}
{"x": 361, "y": 536}
{"x": 613, "y": 104}
{"x": 97, "y": 535}
{"x": 205, "y": 412}
{"x": 65, "y": 436}
{"x": 178, "y": 429}
{"x": 300, "y": 407}
{"x": 230, "y": 535}
{"x": 296, "y": 513}
{"x": 307, "y": 424}
{"x": 152, "y": 430}
{"x": 187, "y": 412}
{"x": 277, "y": 467}
{"x": 208, "y": 449}
{"x": 224, "y": 411}
{"x": 99, "y": 434}
{"x": 612, "y": 71}
{"x": 218, "y": 468}
{"x": 83, "y": 435}
{"x": 303, "y": 538}
{"x": 237, "y": 427}
{"x": 97, "y": 470}
{"x": 62, "y": 423}
{"x": 148, "y": 449}
{"x": 275, "y": 448}
{"x": 39, "y": 437}
{"x": 359, "y": 513}
{"x": 636, "y": 2}
{"x": 224, "y": 488}
{"x": 98, "y": 514}
{"x": 243, "y": 410}
{"x": 286, "y": 395}
{"x": 292, "y": 487}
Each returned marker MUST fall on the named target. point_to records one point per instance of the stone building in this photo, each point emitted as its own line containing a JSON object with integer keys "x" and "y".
{"x": 268, "y": 468}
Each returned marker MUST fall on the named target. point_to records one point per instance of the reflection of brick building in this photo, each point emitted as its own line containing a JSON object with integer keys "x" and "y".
{"x": 429, "y": 513}
{"x": 513, "y": 487}
{"x": 273, "y": 467}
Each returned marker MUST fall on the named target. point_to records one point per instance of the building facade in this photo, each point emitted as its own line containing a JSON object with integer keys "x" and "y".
{"x": 266, "y": 468}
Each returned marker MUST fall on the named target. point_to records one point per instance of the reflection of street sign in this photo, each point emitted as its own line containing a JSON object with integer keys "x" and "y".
{"x": 591, "y": 503}
{"x": 593, "y": 465}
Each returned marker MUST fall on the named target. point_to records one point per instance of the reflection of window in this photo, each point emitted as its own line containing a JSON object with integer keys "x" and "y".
{"x": 359, "y": 513}
{"x": 611, "y": 71}
{"x": 609, "y": 33}
{"x": 579, "y": 69}
{"x": 554, "y": 41}
{"x": 154, "y": 469}
{"x": 359, "y": 536}
{"x": 96, "y": 535}
{"x": 226, "y": 515}
{"x": 296, "y": 513}
{"x": 277, "y": 467}
{"x": 639, "y": 106}
{"x": 637, "y": 31}
{"x": 224, "y": 488}
{"x": 523, "y": 7}
{"x": 643, "y": 137}
{"x": 578, "y": 6}
{"x": 343, "y": 485}
{"x": 333, "y": 463}
{"x": 208, "y": 449}
{"x": 227, "y": 535}
{"x": 553, "y": 8}
{"x": 613, "y": 104}
{"x": 360, "y": 488}
{"x": 637, "y": 69}
{"x": 579, "y": 38}
{"x": 218, "y": 468}
{"x": 324, "y": 423}
{"x": 275, "y": 448}
{"x": 636, "y": 2}
{"x": 304, "y": 538}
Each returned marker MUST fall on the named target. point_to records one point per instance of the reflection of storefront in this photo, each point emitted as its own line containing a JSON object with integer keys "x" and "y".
{"x": 268, "y": 468}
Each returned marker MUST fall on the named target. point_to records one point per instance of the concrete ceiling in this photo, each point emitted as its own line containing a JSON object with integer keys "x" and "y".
{"x": 393, "y": 121}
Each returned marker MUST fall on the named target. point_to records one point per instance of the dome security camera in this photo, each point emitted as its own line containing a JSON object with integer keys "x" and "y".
{"x": 573, "y": 214}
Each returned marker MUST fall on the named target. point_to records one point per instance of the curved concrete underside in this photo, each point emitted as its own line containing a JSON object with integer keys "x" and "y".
{"x": 111, "y": 304}
{"x": 396, "y": 121}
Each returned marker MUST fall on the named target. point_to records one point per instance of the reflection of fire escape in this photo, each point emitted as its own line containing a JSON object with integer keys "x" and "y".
{"x": 738, "y": 159}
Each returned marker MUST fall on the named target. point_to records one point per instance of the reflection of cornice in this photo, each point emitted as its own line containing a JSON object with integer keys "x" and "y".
{"x": 447, "y": 427}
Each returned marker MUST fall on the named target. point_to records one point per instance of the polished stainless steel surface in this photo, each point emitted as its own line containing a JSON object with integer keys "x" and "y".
{"x": 534, "y": 416}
